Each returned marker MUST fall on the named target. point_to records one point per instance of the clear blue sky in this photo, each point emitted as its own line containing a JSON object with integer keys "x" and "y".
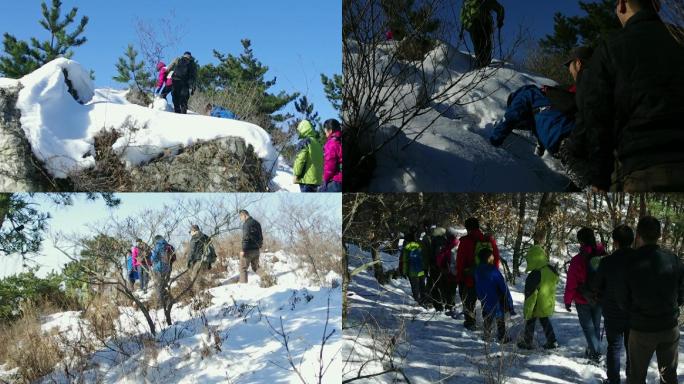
{"x": 75, "y": 219}
{"x": 298, "y": 40}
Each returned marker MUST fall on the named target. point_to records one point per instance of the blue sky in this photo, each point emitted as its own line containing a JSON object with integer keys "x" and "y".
{"x": 298, "y": 40}
{"x": 74, "y": 219}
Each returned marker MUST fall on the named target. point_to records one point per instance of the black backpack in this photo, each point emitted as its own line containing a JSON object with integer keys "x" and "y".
{"x": 561, "y": 100}
{"x": 592, "y": 263}
{"x": 182, "y": 69}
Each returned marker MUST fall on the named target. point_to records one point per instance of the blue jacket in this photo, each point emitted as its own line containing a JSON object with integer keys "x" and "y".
{"x": 550, "y": 125}
{"x": 157, "y": 252}
{"x": 223, "y": 113}
{"x": 492, "y": 290}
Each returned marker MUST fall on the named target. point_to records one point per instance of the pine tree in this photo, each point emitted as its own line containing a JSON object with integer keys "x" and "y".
{"x": 21, "y": 59}
{"x": 132, "y": 72}
{"x": 306, "y": 109}
{"x": 242, "y": 73}
{"x": 411, "y": 26}
{"x": 332, "y": 86}
{"x": 22, "y": 226}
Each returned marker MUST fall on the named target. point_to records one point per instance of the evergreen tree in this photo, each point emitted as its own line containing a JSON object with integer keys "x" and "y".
{"x": 132, "y": 72}
{"x": 306, "y": 109}
{"x": 242, "y": 73}
{"x": 332, "y": 86}
{"x": 21, "y": 59}
{"x": 21, "y": 225}
{"x": 412, "y": 26}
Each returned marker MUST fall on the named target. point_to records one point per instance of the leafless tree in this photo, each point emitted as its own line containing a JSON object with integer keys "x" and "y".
{"x": 159, "y": 38}
{"x": 385, "y": 95}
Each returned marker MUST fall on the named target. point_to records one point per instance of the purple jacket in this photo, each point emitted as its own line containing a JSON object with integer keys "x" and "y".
{"x": 332, "y": 167}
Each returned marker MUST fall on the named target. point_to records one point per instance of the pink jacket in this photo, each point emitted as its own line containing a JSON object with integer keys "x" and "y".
{"x": 577, "y": 274}
{"x": 161, "y": 67}
{"x": 332, "y": 167}
{"x": 135, "y": 252}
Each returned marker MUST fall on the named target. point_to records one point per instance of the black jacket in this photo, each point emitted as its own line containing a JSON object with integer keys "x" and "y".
{"x": 198, "y": 242}
{"x": 251, "y": 235}
{"x": 609, "y": 281}
{"x": 630, "y": 100}
{"x": 654, "y": 290}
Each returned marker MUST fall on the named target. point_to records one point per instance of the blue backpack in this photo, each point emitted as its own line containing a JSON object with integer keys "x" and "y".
{"x": 415, "y": 259}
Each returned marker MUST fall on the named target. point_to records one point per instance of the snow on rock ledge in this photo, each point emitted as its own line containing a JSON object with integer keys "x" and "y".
{"x": 60, "y": 126}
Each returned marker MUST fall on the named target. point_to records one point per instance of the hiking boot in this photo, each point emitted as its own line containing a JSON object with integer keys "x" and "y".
{"x": 524, "y": 345}
{"x": 550, "y": 345}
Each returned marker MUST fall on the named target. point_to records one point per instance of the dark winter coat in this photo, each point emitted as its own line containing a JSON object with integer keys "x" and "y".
{"x": 465, "y": 256}
{"x": 531, "y": 109}
{"x": 199, "y": 244}
{"x": 609, "y": 281}
{"x": 252, "y": 238}
{"x": 654, "y": 290}
{"x": 492, "y": 291}
{"x": 540, "y": 285}
{"x": 190, "y": 78}
{"x": 630, "y": 100}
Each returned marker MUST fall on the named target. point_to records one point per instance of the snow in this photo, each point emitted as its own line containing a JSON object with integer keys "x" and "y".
{"x": 454, "y": 154}
{"x": 432, "y": 347}
{"x": 61, "y": 130}
{"x": 8, "y": 83}
{"x": 239, "y": 314}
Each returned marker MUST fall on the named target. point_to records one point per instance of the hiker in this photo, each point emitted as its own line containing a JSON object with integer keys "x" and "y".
{"x": 411, "y": 266}
{"x": 494, "y": 295}
{"x": 540, "y": 298}
{"x": 183, "y": 72}
{"x": 252, "y": 240}
{"x": 131, "y": 273}
{"x": 446, "y": 261}
{"x": 581, "y": 272}
{"x": 630, "y": 104}
{"x": 466, "y": 262}
{"x": 201, "y": 249}
{"x": 332, "y": 167}
{"x": 164, "y": 83}
{"x": 218, "y": 111}
{"x": 142, "y": 256}
{"x": 476, "y": 18}
{"x": 652, "y": 295}
{"x": 549, "y": 112}
{"x": 435, "y": 280}
{"x": 162, "y": 256}
{"x": 308, "y": 166}
{"x": 609, "y": 281}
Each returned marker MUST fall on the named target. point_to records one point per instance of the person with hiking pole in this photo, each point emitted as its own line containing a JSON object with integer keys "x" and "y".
{"x": 466, "y": 261}
{"x": 630, "y": 104}
{"x": 578, "y": 288}
{"x": 609, "y": 281}
{"x": 252, "y": 240}
{"x": 476, "y": 18}
{"x": 183, "y": 72}
{"x": 652, "y": 294}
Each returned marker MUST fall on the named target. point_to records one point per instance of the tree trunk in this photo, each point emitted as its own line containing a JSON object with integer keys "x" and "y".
{"x": 547, "y": 207}
{"x": 377, "y": 267}
{"x": 346, "y": 277}
{"x": 517, "y": 247}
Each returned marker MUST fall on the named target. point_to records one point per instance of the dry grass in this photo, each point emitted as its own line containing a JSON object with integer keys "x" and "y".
{"x": 28, "y": 348}
{"x": 102, "y": 315}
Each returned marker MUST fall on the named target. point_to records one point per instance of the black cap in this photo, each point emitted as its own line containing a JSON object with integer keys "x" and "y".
{"x": 187, "y": 53}
{"x": 582, "y": 53}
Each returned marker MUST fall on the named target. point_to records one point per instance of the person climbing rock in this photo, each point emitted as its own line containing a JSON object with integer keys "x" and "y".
{"x": 476, "y": 18}
{"x": 183, "y": 72}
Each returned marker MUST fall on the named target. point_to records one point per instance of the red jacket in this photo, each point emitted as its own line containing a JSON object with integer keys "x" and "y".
{"x": 443, "y": 258}
{"x": 577, "y": 274}
{"x": 465, "y": 257}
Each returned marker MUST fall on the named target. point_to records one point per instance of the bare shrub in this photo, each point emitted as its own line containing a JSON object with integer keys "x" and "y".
{"x": 28, "y": 348}
{"x": 102, "y": 315}
{"x": 267, "y": 276}
{"x": 547, "y": 64}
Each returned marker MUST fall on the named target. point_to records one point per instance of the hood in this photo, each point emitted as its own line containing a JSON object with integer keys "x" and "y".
{"x": 305, "y": 129}
{"x": 160, "y": 65}
{"x": 536, "y": 258}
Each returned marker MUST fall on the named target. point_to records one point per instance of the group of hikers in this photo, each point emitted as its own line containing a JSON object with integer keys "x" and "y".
{"x": 318, "y": 168}
{"x": 619, "y": 127}
{"x": 179, "y": 79}
{"x": 143, "y": 260}
{"x": 638, "y": 290}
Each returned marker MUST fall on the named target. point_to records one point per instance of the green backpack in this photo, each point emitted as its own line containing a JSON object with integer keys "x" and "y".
{"x": 480, "y": 245}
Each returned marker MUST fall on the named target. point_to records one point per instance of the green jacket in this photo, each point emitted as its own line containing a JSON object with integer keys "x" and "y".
{"x": 479, "y": 10}
{"x": 412, "y": 268}
{"x": 540, "y": 285}
{"x": 308, "y": 166}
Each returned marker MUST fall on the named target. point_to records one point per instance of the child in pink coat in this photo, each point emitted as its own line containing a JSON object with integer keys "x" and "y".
{"x": 332, "y": 157}
{"x": 164, "y": 85}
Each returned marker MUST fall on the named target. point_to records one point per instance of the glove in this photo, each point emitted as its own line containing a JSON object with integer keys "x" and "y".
{"x": 568, "y": 307}
{"x": 496, "y": 142}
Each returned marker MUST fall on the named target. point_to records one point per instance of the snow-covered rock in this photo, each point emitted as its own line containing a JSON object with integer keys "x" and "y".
{"x": 61, "y": 113}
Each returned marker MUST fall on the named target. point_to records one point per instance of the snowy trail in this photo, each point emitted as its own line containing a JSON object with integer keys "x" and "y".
{"x": 454, "y": 154}
{"x": 438, "y": 348}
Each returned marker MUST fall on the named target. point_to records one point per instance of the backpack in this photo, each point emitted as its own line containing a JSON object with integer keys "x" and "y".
{"x": 169, "y": 254}
{"x": 480, "y": 245}
{"x": 561, "y": 99}
{"x": 415, "y": 260}
{"x": 592, "y": 263}
{"x": 209, "y": 254}
{"x": 182, "y": 69}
